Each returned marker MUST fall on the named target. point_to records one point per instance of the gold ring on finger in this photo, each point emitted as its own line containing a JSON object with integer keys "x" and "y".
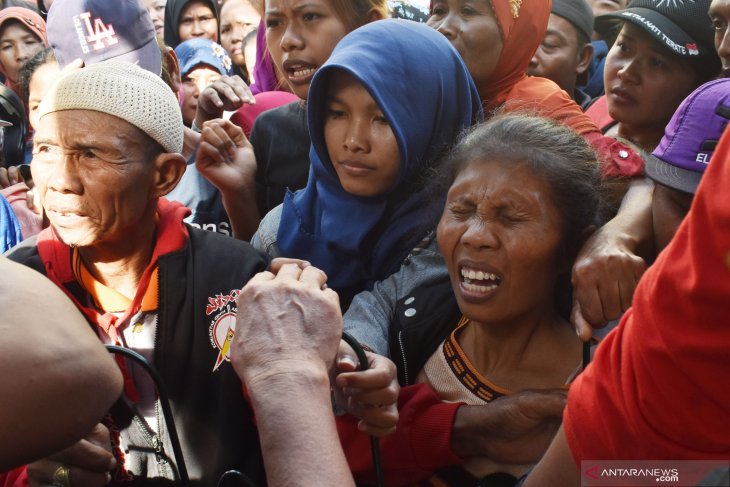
{"x": 60, "y": 477}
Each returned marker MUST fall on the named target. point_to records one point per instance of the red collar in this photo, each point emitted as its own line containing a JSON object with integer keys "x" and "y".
{"x": 172, "y": 234}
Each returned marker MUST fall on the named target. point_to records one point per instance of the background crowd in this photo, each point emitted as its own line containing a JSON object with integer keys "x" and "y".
{"x": 515, "y": 207}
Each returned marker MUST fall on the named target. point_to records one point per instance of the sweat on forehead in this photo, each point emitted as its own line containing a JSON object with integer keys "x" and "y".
{"x": 125, "y": 91}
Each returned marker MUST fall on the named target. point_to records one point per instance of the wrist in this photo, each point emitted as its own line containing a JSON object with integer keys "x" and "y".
{"x": 202, "y": 116}
{"x": 465, "y": 440}
{"x": 290, "y": 373}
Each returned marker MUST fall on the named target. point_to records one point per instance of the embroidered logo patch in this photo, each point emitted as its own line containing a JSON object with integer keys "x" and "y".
{"x": 95, "y": 33}
{"x": 222, "y": 307}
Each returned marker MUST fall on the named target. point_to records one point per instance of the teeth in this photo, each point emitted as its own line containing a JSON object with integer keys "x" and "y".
{"x": 471, "y": 275}
{"x": 475, "y": 288}
{"x": 303, "y": 72}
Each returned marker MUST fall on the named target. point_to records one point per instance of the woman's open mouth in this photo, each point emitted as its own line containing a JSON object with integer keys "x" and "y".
{"x": 479, "y": 282}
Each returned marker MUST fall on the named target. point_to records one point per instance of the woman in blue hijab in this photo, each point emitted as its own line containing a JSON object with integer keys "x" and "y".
{"x": 421, "y": 97}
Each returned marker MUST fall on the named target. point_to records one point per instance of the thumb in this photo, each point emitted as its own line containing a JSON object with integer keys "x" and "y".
{"x": 582, "y": 327}
{"x": 550, "y": 404}
{"x": 346, "y": 358}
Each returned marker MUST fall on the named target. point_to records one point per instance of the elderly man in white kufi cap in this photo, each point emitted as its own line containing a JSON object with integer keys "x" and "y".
{"x": 106, "y": 151}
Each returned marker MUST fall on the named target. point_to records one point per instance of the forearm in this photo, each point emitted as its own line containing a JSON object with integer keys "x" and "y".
{"x": 58, "y": 363}
{"x": 297, "y": 428}
{"x": 633, "y": 224}
{"x": 242, "y": 211}
{"x": 557, "y": 466}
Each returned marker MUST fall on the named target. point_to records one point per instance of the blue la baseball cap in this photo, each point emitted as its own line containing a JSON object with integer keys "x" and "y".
{"x": 100, "y": 30}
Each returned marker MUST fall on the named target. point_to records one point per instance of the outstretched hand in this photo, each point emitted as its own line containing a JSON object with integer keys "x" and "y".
{"x": 514, "y": 429}
{"x": 229, "y": 93}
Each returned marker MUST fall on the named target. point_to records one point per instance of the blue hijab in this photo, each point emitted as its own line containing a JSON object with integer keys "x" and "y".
{"x": 427, "y": 95}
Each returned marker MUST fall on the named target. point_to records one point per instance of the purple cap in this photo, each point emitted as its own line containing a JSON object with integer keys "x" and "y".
{"x": 690, "y": 137}
{"x": 99, "y": 30}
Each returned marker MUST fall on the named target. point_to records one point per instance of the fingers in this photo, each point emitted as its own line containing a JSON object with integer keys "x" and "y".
{"x": 543, "y": 404}
{"x": 89, "y": 461}
{"x": 381, "y": 373}
{"x": 233, "y": 88}
{"x": 371, "y": 395}
{"x": 378, "y": 421}
{"x": 241, "y": 89}
{"x": 261, "y": 277}
{"x": 9, "y": 176}
{"x": 92, "y": 453}
{"x": 313, "y": 276}
{"x": 228, "y": 93}
{"x": 216, "y": 136}
{"x": 277, "y": 262}
{"x": 41, "y": 473}
{"x": 212, "y": 95}
{"x": 224, "y": 132}
{"x": 305, "y": 274}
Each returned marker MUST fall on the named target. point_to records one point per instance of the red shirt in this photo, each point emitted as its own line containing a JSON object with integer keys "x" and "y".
{"x": 658, "y": 387}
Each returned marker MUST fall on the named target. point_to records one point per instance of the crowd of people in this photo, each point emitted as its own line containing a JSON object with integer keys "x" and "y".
{"x": 362, "y": 242}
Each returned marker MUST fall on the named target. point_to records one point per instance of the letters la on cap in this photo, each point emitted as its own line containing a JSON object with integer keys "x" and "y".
{"x": 99, "y": 30}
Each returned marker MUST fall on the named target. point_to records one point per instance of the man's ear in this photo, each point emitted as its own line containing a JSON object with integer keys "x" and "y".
{"x": 585, "y": 56}
{"x": 173, "y": 67}
{"x": 170, "y": 168}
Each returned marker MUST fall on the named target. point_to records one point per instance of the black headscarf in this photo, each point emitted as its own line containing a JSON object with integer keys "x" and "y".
{"x": 173, "y": 9}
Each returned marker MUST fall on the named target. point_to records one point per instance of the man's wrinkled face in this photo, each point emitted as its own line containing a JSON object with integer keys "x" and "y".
{"x": 94, "y": 177}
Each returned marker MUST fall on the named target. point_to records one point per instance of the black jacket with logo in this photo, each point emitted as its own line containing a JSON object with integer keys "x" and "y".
{"x": 197, "y": 288}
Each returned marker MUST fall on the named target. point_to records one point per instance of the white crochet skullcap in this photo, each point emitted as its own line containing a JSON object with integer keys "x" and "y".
{"x": 123, "y": 90}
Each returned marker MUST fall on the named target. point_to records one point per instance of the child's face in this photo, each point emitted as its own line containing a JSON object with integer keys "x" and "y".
{"x": 41, "y": 81}
{"x": 301, "y": 35}
{"x": 360, "y": 141}
{"x": 192, "y": 85}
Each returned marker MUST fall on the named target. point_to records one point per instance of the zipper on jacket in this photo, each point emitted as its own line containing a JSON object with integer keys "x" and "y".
{"x": 403, "y": 357}
{"x": 154, "y": 439}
